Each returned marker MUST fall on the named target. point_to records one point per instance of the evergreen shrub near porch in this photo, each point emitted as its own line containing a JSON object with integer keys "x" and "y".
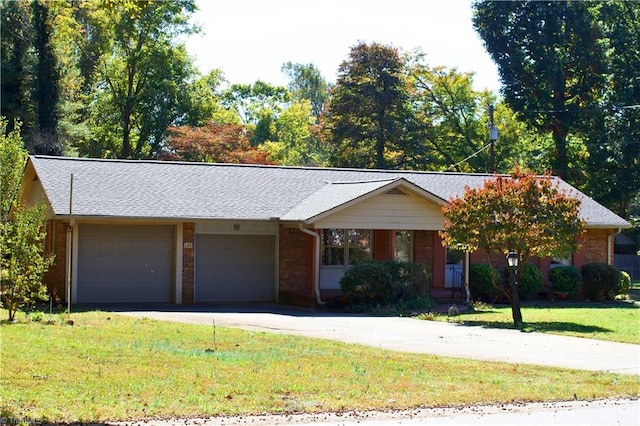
{"x": 382, "y": 283}
{"x": 530, "y": 283}
{"x": 600, "y": 281}
{"x": 565, "y": 279}
{"x": 481, "y": 276}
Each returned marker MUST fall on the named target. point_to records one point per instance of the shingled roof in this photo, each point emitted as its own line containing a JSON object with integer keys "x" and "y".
{"x": 193, "y": 191}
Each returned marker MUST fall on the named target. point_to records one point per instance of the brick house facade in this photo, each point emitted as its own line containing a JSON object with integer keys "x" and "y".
{"x": 254, "y": 230}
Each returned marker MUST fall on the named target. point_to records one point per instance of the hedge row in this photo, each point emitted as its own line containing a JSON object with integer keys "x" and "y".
{"x": 597, "y": 281}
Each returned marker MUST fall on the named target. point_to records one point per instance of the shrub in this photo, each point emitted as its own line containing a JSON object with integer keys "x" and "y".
{"x": 410, "y": 280}
{"x": 565, "y": 279}
{"x": 368, "y": 282}
{"x": 379, "y": 283}
{"x": 599, "y": 281}
{"x": 624, "y": 284}
{"x": 530, "y": 283}
{"x": 480, "y": 282}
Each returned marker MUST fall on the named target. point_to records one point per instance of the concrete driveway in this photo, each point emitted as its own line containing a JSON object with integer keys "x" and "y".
{"x": 411, "y": 335}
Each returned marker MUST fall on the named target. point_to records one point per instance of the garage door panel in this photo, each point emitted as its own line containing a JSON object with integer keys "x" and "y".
{"x": 235, "y": 268}
{"x": 125, "y": 263}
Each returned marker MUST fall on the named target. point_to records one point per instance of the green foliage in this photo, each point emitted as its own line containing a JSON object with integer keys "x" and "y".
{"x": 12, "y": 159}
{"x": 481, "y": 282}
{"x": 624, "y": 284}
{"x": 614, "y": 152}
{"x": 565, "y": 279}
{"x": 294, "y": 141}
{"x": 550, "y": 61}
{"x": 368, "y": 110}
{"x": 307, "y": 84}
{"x": 449, "y": 118}
{"x": 380, "y": 283}
{"x": 21, "y": 232}
{"x": 367, "y": 283}
{"x": 599, "y": 281}
{"x": 529, "y": 282}
{"x": 253, "y": 101}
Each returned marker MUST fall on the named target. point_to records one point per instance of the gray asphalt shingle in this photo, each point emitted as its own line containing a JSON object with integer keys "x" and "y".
{"x": 191, "y": 191}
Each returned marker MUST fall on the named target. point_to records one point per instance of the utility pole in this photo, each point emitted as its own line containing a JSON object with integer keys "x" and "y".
{"x": 493, "y": 137}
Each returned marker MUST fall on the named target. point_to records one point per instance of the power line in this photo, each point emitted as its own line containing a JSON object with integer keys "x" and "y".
{"x": 453, "y": 166}
{"x": 583, "y": 110}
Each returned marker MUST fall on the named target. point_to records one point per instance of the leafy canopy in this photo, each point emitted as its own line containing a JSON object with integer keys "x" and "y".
{"x": 530, "y": 214}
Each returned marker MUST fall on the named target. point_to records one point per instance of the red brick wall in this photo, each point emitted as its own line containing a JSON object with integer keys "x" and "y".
{"x": 188, "y": 254}
{"x": 423, "y": 252}
{"x": 594, "y": 247}
{"x": 56, "y": 244}
{"x": 296, "y": 263}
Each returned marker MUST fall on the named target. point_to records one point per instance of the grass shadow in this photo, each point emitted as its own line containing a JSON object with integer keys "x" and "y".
{"x": 541, "y": 326}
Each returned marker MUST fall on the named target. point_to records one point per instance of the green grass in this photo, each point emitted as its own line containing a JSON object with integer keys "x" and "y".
{"x": 619, "y": 322}
{"x": 110, "y": 367}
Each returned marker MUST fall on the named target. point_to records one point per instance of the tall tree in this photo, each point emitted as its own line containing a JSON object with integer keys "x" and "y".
{"x": 368, "y": 109}
{"x": 295, "y": 139}
{"x": 16, "y": 40}
{"x": 613, "y": 140}
{"x": 528, "y": 214}
{"x": 257, "y": 105}
{"x": 30, "y": 73}
{"x": 306, "y": 83}
{"x": 141, "y": 75}
{"x": 450, "y": 119}
{"x": 47, "y": 82}
{"x": 550, "y": 61}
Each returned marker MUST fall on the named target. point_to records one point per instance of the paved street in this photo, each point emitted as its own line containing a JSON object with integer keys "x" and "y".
{"x": 571, "y": 413}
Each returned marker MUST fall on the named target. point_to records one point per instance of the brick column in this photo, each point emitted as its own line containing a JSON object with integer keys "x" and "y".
{"x": 188, "y": 264}
{"x": 56, "y": 244}
{"x": 295, "y": 265}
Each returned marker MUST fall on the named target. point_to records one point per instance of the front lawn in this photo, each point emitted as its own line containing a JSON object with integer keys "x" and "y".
{"x": 618, "y": 322}
{"x": 110, "y": 367}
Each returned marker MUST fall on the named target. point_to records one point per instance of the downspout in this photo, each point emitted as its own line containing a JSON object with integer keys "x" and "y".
{"x": 610, "y": 242}
{"x": 316, "y": 278}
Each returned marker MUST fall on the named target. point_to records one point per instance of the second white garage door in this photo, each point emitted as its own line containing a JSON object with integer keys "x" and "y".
{"x": 235, "y": 268}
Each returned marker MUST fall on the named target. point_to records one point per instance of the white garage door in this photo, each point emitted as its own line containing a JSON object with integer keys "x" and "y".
{"x": 235, "y": 268}
{"x": 125, "y": 263}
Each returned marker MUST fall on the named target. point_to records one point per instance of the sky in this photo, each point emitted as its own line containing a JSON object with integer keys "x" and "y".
{"x": 249, "y": 40}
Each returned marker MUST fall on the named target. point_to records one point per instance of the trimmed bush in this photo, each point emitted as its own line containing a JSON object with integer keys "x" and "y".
{"x": 624, "y": 284}
{"x": 380, "y": 283}
{"x": 530, "y": 283}
{"x": 410, "y": 280}
{"x": 599, "y": 281}
{"x": 480, "y": 282}
{"x": 565, "y": 279}
{"x": 368, "y": 282}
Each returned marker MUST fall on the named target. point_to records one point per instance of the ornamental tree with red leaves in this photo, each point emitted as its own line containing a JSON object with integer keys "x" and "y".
{"x": 529, "y": 214}
{"x": 212, "y": 143}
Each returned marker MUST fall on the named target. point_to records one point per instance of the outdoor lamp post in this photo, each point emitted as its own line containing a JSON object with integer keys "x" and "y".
{"x": 512, "y": 261}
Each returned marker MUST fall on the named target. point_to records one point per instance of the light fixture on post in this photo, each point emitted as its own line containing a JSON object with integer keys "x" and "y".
{"x": 512, "y": 261}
